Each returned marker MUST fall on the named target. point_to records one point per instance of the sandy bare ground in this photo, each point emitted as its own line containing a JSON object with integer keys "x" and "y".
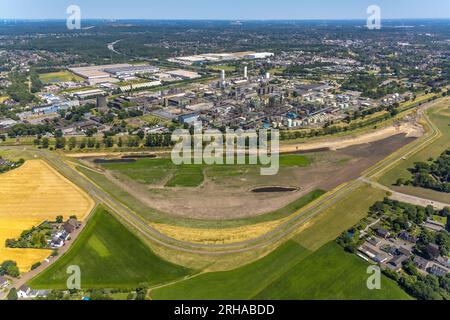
{"x": 411, "y": 130}
{"x": 230, "y": 197}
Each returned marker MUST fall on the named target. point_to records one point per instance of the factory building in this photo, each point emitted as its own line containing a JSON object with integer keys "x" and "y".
{"x": 132, "y": 70}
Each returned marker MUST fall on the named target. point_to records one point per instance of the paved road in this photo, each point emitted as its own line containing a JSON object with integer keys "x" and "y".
{"x": 407, "y": 197}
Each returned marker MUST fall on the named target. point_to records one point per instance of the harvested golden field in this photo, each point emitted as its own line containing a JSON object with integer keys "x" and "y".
{"x": 218, "y": 236}
{"x": 30, "y": 195}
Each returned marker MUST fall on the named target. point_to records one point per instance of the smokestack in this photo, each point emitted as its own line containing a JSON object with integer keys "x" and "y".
{"x": 245, "y": 72}
{"x": 222, "y": 76}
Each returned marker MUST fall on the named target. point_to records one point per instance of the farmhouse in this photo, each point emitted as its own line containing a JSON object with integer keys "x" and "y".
{"x": 71, "y": 225}
{"x": 383, "y": 233}
{"x": 25, "y": 292}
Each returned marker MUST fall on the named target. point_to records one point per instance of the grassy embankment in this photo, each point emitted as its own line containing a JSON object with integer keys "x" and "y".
{"x": 440, "y": 117}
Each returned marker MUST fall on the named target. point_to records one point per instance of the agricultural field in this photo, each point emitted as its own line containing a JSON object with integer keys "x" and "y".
{"x": 342, "y": 215}
{"x": 29, "y": 195}
{"x": 56, "y": 77}
{"x": 330, "y": 273}
{"x": 109, "y": 256}
{"x": 289, "y": 272}
{"x": 242, "y": 283}
{"x": 440, "y": 116}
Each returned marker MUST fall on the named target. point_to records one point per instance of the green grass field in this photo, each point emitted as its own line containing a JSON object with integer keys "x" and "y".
{"x": 61, "y": 76}
{"x": 109, "y": 256}
{"x": 227, "y": 68}
{"x": 187, "y": 176}
{"x": 154, "y": 171}
{"x": 294, "y": 160}
{"x": 330, "y": 273}
{"x": 289, "y": 272}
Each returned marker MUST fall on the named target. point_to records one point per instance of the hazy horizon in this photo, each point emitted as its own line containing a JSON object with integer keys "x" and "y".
{"x": 226, "y": 10}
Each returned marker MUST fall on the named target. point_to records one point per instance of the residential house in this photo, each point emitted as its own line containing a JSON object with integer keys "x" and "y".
{"x": 25, "y": 292}
{"x": 438, "y": 270}
{"x": 3, "y": 282}
{"x": 397, "y": 261}
{"x": 383, "y": 233}
{"x": 404, "y": 235}
{"x": 421, "y": 263}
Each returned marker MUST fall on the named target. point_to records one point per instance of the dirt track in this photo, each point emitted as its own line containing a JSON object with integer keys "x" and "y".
{"x": 344, "y": 142}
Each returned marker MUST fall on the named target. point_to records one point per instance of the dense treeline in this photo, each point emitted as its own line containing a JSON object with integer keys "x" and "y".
{"x": 372, "y": 86}
{"x": 23, "y": 129}
{"x": 433, "y": 175}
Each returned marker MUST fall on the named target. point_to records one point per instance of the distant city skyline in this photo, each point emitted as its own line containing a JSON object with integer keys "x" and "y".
{"x": 225, "y": 10}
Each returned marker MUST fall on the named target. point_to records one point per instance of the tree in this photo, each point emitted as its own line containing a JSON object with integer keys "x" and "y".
{"x": 45, "y": 143}
{"x": 108, "y": 141}
{"x": 59, "y": 219}
{"x": 141, "y": 134}
{"x": 12, "y": 294}
{"x": 91, "y": 142}
{"x": 58, "y": 133}
{"x": 60, "y": 143}
{"x": 10, "y": 268}
{"x": 83, "y": 143}
{"x": 72, "y": 143}
{"x": 141, "y": 293}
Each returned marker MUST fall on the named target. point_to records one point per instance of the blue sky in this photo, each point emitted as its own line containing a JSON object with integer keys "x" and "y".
{"x": 224, "y": 9}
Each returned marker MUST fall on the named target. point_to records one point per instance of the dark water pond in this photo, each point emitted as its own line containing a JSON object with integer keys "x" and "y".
{"x": 273, "y": 189}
